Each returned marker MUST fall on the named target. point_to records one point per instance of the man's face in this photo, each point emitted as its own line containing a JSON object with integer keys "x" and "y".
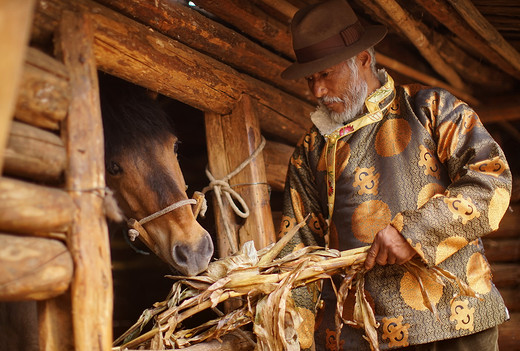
{"x": 340, "y": 89}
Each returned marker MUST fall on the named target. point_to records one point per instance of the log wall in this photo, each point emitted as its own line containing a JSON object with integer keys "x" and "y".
{"x": 183, "y": 55}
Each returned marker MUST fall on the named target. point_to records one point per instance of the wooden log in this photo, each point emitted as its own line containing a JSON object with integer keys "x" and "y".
{"x": 498, "y": 110}
{"x": 505, "y": 274}
{"x": 43, "y": 97}
{"x": 252, "y": 21}
{"x": 480, "y": 25}
{"x": 423, "y": 78}
{"x": 131, "y": 51}
{"x": 31, "y": 209}
{"x": 33, "y": 268}
{"x": 504, "y": 250}
{"x": 14, "y": 35}
{"x": 233, "y": 139}
{"x": 508, "y": 336}
{"x": 277, "y": 125}
{"x": 453, "y": 21}
{"x": 409, "y": 27}
{"x": 91, "y": 288}
{"x": 34, "y": 153}
{"x": 277, "y": 156}
{"x": 213, "y": 39}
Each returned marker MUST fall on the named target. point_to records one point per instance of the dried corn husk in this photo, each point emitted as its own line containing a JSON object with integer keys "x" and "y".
{"x": 265, "y": 284}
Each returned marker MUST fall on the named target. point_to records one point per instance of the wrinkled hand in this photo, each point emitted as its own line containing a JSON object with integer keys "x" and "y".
{"x": 389, "y": 247}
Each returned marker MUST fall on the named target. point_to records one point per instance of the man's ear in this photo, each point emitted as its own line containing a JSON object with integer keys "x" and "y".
{"x": 364, "y": 59}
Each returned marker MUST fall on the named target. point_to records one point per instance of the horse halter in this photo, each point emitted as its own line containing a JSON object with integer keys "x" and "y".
{"x": 136, "y": 227}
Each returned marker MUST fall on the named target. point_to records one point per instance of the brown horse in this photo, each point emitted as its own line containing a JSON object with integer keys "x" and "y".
{"x": 143, "y": 172}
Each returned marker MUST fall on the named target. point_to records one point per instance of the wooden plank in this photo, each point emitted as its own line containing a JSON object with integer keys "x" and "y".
{"x": 252, "y": 21}
{"x": 43, "y": 96}
{"x": 131, "y": 51}
{"x": 33, "y": 268}
{"x": 423, "y": 78}
{"x": 213, "y": 39}
{"x": 234, "y": 138}
{"x": 15, "y": 24}
{"x": 34, "y": 209}
{"x": 453, "y": 21}
{"x": 420, "y": 40}
{"x": 480, "y": 25}
{"x": 34, "y": 153}
{"x": 91, "y": 289}
{"x": 505, "y": 274}
{"x": 277, "y": 156}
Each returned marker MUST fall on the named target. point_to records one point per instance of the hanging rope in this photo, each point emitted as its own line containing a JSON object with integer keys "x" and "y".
{"x": 221, "y": 186}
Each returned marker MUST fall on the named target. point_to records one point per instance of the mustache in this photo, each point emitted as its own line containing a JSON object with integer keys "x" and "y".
{"x": 329, "y": 99}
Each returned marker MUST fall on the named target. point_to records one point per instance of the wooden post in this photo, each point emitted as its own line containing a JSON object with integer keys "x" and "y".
{"x": 15, "y": 23}
{"x": 91, "y": 288}
{"x": 231, "y": 140}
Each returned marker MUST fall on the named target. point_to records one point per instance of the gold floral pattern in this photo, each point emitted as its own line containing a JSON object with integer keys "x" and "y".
{"x": 366, "y": 180}
{"x": 379, "y": 214}
{"x": 462, "y": 315}
{"x": 393, "y": 137}
{"x": 395, "y": 331}
{"x": 429, "y": 162}
{"x": 462, "y": 208}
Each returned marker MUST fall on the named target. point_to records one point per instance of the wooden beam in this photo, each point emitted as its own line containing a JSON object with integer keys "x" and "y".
{"x": 234, "y": 138}
{"x": 420, "y": 40}
{"x": 35, "y": 154}
{"x": 15, "y": 24}
{"x": 91, "y": 288}
{"x": 454, "y": 22}
{"x": 43, "y": 96}
{"x": 480, "y": 25}
{"x": 131, "y": 51}
{"x": 55, "y": 324}
{"x": 423, "y": 78}
{"x": 33, "y": 268}
{"x": 277, "y": 156}
{"x": 213, "y": 39}
{"x": 252, "y": 21}
{"x": 501, "y": 109}
{"x": 28, "y": 208}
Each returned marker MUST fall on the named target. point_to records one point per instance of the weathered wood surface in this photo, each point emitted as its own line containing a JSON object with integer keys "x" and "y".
{"x": 445, "y": 14}
{"x": 43, "y": 96}
{"x": 33, "y": 268}
{"x": 131, "y": 51}
{"x": 234, "y": 138}
{"x": 55, "y": 322}
{"x": 211, "y": 38}
{"x": 34, "y": 153}
{"x": 32, "y": 209}
{"x": 91, "y": 288}
{"x": 15, "y": 24}
{"x": 277, "y": 156}
{"x": 508, "y": 336}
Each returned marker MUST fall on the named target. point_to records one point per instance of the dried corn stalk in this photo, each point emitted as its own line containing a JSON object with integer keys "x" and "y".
{"x": 265, "y": 284}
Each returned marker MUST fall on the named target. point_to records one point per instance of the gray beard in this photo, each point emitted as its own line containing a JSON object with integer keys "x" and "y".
{"x": 353, "y": 102}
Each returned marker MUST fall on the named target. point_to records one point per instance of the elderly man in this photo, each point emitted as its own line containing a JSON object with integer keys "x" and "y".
{"x": 409, "y": 170}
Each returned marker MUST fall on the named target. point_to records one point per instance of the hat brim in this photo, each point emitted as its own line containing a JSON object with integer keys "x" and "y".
{"x": 372, "y": 36}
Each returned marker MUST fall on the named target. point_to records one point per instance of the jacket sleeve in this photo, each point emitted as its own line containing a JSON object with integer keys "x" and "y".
{"x": 475, "y": 201}
{"x": 301, "y": 203}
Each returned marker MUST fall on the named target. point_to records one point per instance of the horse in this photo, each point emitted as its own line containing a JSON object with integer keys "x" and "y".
{"x": 143, "y": 172}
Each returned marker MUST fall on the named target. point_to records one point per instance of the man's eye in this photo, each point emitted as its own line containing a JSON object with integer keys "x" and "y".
{"x": 324, "y": 74}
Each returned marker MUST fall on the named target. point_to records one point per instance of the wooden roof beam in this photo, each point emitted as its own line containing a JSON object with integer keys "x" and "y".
{"x": 423, "y": 78}
{"x": 412, "y": 30}
{"x": 480, "y": 25}
{"x": 444, "y": 13}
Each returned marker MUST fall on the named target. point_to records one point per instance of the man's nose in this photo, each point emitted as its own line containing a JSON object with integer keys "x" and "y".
{"x": 318, "y": 90}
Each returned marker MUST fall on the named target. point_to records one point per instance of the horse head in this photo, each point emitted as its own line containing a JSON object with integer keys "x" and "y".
{"x": 143, "y": 171}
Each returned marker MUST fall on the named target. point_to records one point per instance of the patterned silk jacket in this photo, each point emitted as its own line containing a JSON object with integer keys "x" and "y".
{"x": 422, "y": 161}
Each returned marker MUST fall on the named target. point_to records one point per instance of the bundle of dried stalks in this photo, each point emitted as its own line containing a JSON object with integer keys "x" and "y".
{"x": 265, "y": 283}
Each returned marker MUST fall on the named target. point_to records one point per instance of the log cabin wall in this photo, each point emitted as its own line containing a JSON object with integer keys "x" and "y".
{"x": 220, "y": 57}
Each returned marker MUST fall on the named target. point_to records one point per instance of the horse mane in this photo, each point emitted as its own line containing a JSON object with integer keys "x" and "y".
{"x": 131, "y": 118}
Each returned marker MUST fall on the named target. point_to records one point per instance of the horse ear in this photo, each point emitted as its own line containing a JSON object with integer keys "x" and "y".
{"x": 112, "y": 210}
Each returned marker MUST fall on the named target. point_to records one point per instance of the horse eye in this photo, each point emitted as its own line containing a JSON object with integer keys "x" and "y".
{"x": 114, "y": 168}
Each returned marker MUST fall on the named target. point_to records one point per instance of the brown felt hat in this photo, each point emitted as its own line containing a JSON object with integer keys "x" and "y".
{"x": 326, "y": 34}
